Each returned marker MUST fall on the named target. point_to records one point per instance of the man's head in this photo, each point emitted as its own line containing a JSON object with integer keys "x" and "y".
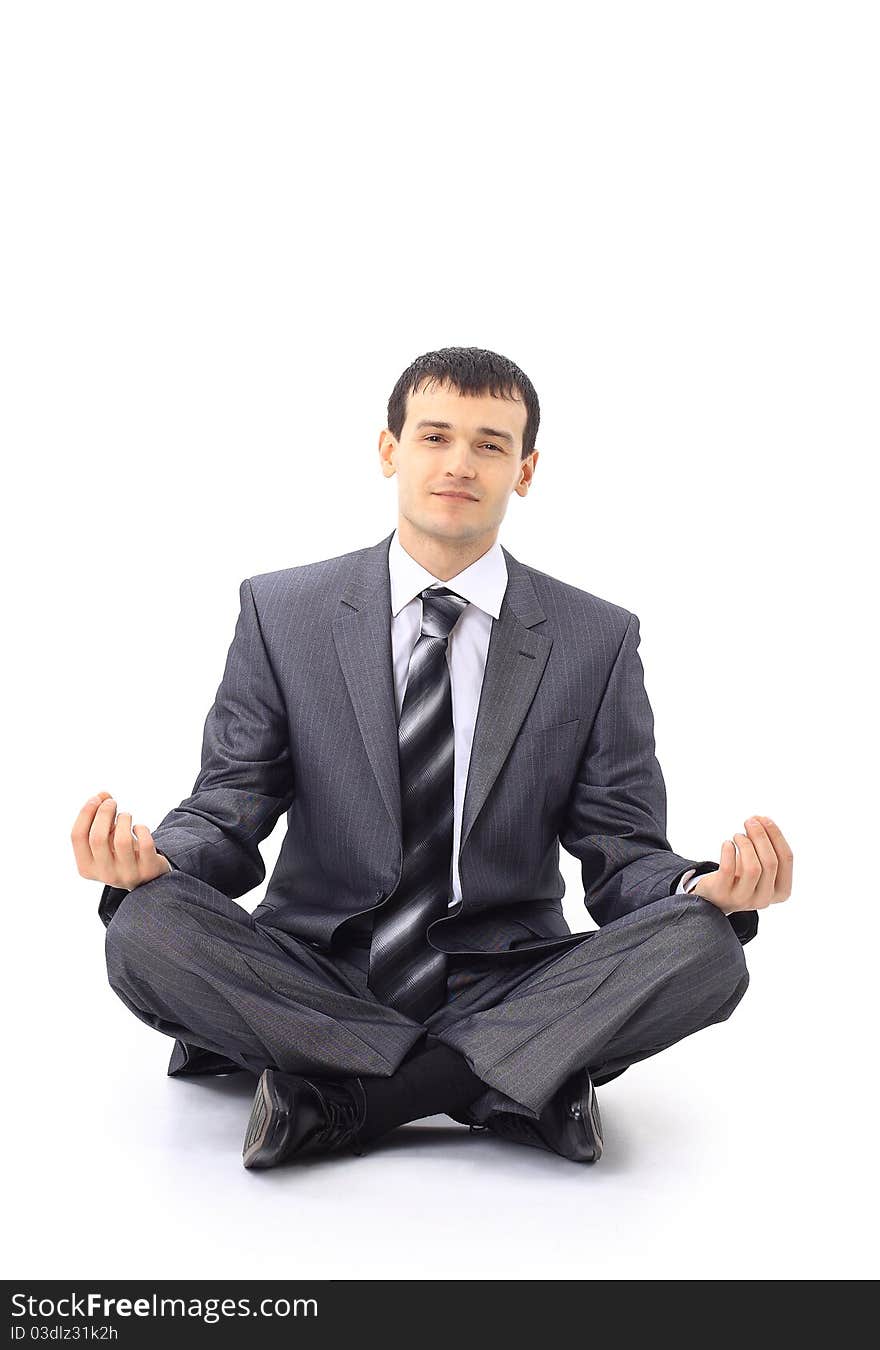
{"x": 460, "y": 421}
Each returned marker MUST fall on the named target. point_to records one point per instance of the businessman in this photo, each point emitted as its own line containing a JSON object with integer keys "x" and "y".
{"x": 435, "y": 717}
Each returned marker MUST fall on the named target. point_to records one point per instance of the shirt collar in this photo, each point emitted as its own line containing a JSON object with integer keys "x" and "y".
{"x": 483, "y": 583}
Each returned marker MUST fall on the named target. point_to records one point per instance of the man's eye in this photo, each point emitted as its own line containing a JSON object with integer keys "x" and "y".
{"x": 434, "y": 437}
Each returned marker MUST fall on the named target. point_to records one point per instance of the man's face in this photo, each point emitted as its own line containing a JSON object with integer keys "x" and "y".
{"x": 455, "y": 479}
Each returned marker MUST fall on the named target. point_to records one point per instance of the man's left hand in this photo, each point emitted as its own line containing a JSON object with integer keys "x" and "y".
{"x": 755, "y": 877}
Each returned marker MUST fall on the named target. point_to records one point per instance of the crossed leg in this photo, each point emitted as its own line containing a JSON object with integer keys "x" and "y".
{"x": 629, "y": 990}
{"x": 193, "y": 964}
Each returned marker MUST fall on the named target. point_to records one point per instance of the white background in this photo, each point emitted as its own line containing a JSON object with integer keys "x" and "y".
{"x": 227, "y": 230}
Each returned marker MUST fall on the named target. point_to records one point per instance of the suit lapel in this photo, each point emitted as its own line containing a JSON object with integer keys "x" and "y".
{"x": 515, "y": 664}
{"x": 362, "y": 633}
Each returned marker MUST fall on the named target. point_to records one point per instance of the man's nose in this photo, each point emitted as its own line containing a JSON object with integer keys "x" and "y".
{"x": 460, "y": 462}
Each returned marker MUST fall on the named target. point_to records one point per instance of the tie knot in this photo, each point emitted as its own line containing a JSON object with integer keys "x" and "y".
{"x": 441, "y": 610}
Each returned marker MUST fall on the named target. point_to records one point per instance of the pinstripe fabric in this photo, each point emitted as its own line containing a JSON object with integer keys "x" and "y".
{"x": 304, "y": 722}
{"x": 193, "y": 964}
{"x": 405, "y": 970}
{"x": 563, "y": 753}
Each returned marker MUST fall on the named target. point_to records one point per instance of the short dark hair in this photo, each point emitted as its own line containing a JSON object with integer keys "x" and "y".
{"x": 470, "y": 371}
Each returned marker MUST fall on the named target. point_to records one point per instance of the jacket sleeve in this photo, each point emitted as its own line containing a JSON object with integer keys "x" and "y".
{"x": 615, "y": 820}
{"x": 745, "y": 921}
{"x": 246, "y": 777}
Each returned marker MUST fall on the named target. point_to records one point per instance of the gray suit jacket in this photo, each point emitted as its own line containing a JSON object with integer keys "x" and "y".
{"x": 304, "y": 721}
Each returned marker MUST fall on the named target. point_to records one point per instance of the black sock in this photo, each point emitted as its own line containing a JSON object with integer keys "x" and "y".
{"x": 426, "y": 1083}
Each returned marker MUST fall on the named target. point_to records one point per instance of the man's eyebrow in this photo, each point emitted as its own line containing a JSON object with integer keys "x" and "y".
{"x": 481, "y": 431}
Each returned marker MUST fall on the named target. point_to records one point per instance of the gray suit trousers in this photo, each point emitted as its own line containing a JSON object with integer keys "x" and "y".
{"x": 192, "y": 963}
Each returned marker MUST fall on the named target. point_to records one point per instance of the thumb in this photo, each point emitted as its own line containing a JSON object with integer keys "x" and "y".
{"x": 716, "y": 885}
{"x": 145, "y": 850}
{"x": 728, "y": 861}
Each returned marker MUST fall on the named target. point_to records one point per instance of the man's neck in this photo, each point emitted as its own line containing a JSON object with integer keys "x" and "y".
{"x": 443, "y": 558}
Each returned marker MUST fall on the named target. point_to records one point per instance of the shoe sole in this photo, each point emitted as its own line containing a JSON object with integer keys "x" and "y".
{"x": 590, "y": 1130}
{"x": 593, "y": 1123}
{"x": 262, "y": 1126}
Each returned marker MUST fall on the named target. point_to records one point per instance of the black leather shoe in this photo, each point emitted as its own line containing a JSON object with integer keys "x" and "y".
{"x": 188, "y": 1061}
{"x": 569, "y": 1125}
{"x": 293, "y": 1116}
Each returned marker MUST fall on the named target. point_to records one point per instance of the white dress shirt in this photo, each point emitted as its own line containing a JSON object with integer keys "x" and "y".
{"x": 482, "y": 584}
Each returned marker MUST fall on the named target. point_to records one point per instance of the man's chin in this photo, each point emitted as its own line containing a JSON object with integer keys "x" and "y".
{"x": 448, "y": 526}
{"x": 450, "y": 531}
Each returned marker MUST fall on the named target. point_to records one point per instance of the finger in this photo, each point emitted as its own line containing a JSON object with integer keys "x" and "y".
{"x": 99, "y": 835}
{"x": 766, "y": 857}
{"x": 784, "y": 857}
{"x": 79, "y": 835}
{"x": 748, "y": 868}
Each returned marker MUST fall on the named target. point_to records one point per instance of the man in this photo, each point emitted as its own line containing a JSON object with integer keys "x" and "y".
{"x": 435, "y": 717}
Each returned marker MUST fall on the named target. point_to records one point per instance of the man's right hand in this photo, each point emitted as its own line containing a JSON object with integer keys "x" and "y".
{"x": 106, "y": 849}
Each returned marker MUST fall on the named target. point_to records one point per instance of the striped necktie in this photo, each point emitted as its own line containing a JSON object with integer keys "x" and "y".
{"x": 406, "y": 972}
